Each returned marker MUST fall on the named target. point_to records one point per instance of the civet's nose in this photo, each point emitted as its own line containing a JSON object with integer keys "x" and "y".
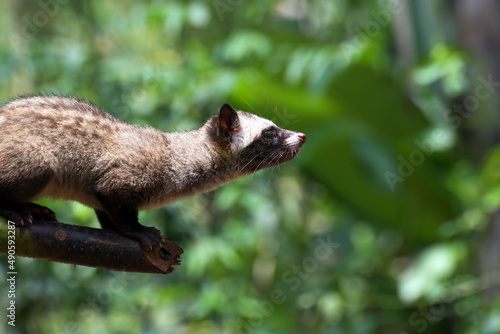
{"x": 302, "y": 137}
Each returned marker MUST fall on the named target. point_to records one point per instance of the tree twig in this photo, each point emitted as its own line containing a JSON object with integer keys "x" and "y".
{"x": 86, "y": 246}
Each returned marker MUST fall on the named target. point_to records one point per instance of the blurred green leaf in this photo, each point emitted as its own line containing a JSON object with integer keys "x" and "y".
{"x": 489, "y": 182}
{"x": 425, "y": 278}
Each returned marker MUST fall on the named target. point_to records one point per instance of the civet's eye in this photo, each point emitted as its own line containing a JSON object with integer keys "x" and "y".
{"x": 269, "y": 135}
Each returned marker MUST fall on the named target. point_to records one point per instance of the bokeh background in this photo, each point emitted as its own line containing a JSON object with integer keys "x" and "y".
{"x": 388, "y": 221}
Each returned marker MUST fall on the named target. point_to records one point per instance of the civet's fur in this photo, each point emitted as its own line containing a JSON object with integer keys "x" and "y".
{"x": 66, "y": 148}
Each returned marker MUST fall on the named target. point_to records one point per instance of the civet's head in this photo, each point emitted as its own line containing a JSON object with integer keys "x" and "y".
{"x": 255, "y": 142}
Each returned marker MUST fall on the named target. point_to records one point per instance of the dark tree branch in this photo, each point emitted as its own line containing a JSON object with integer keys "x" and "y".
{"x": 87, "y": 246}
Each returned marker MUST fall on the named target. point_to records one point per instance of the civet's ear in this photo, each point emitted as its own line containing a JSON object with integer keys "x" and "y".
{"x": 228, "y": 119}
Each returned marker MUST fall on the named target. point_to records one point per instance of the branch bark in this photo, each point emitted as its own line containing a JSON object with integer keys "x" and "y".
{"x": 86, "y": 246}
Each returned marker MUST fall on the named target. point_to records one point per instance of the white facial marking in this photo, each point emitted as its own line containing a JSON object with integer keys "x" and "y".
{"x": 292, "y": 140}
{"x": 251, "y": 127}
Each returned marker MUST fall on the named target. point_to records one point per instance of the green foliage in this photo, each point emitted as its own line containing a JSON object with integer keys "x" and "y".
{"x": 375, "y": 227}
